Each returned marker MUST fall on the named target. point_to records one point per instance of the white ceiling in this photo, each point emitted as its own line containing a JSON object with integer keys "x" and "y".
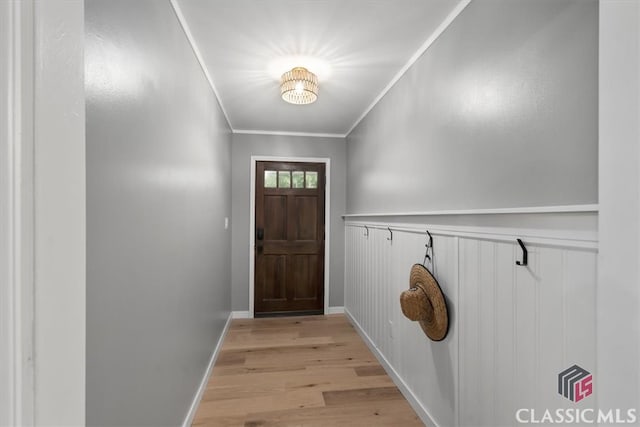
{"x": 361, "y": 46}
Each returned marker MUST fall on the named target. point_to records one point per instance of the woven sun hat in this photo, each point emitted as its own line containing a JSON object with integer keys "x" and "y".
{"x": 424, "y": 302}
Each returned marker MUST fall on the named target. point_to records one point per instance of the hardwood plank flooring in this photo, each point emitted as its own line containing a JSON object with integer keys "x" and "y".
{"x": 300, "y": 371}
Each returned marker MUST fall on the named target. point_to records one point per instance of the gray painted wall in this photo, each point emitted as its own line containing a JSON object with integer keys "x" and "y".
{"x": 58, "y": 275}
{"x": 158, "y": 190}
{"x": 501, "y": 111}
{"x": 245, "y": 146}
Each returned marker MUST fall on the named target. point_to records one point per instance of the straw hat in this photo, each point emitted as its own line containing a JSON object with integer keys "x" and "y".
{"x": 425, "y": 303}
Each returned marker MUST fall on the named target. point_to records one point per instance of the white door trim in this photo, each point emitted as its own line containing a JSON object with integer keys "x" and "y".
{"x": 16, "y": 214}
{"x": 327, "y": 221}
{"x": 618, "y": 294}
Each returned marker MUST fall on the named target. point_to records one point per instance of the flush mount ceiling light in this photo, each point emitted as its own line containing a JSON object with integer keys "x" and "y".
{"x": 299, "y": 86}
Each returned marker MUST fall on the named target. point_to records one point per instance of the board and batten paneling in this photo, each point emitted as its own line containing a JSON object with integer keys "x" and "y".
{"x": 512, "y": 328}
{"x": 377, "y": 271}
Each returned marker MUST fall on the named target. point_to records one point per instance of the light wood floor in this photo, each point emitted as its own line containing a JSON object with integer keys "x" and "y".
{"x": 300, "y": 371}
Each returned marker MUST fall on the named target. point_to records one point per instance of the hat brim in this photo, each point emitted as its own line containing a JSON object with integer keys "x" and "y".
{"x": 436, "y": 326}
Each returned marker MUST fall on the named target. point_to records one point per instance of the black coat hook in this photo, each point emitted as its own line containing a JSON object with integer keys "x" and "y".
{"x": 426, "y": 257}
{"x": 367, "y": 232}
{"x": 525, "y": 254}
{"x": 390, "y": 238}
{"x": 428, "y": 245}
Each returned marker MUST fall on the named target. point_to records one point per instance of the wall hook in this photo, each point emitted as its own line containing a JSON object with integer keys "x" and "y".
{"x": 428, "y": 245}
{"x": 366, "y": 232}
{"x": 390, "y": 238}
{"x": 525, "y": 254}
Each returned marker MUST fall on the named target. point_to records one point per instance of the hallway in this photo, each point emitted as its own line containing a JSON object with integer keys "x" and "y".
{"x": 312, "y": 371}
{"x": 495, "y": 142}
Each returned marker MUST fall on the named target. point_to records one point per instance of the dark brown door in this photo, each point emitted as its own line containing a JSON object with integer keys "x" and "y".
{"x": 289, "y": 238}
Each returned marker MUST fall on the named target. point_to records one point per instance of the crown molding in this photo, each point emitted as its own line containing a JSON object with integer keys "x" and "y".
{"x": 432, "y": 38}
{"x": 423, "y": 48}
{"x": 282, "y": 133}
{"x": 196, "y": 51}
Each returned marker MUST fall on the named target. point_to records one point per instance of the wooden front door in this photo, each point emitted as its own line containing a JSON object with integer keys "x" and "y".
{"x": 289, "y": 238}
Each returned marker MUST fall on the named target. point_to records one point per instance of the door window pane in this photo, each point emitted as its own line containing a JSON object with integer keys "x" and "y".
{"x": 297, "y": 179}
{"x": 270, "y": 179}
{"x": 312, "y": 180}
{"x": 284, "y": 179}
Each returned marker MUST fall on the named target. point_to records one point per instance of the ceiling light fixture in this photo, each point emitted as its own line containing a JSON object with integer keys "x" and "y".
{"x": 299, "y": 86}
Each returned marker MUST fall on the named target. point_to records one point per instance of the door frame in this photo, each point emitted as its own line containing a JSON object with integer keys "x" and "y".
{"x": 17, "y": 247}
{"x": 252, "y": 222}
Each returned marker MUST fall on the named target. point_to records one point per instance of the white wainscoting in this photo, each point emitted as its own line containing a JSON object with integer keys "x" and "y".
{"x": 512, "y": 328}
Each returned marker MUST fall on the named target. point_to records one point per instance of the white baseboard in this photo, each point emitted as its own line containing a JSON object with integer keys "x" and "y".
{"x": 207, "y": 374}
{"x": 247, "y": 315}
{"x": 404, "y": 389}
{"x": 241, "y": 315}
